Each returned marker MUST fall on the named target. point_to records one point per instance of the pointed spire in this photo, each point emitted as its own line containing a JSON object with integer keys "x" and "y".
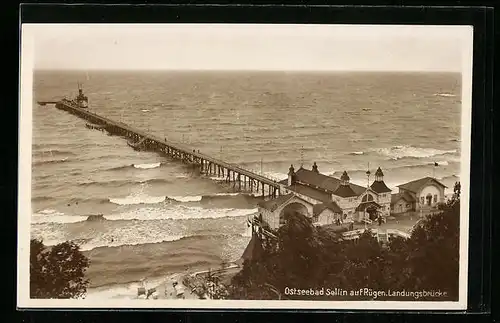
{"x": 379, "y": 175}
{"x": 291, "y": 176}
{"x": 345, "y": 178}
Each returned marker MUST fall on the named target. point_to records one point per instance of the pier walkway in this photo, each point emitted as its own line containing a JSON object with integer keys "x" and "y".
{"x": 241, "y": 179}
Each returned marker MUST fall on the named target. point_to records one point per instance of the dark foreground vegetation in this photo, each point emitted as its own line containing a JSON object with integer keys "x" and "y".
{"x": 310, "y": 260}
{"x": 58, "y": 271}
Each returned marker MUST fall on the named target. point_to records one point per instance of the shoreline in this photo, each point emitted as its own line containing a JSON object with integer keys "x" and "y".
{"x": 163, "y": 286}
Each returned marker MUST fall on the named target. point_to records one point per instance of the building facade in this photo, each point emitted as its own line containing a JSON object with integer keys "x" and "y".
{"x": 425, "y": 193}
{"x": 347, "y": 202}
{"x": 327, "y": 200}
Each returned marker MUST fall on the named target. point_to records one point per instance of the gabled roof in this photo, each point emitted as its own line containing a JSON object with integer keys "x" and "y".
{"x": 332, "y": 206}
{"x": 364, "y": 205}
{"x": 324, "y": 182}
{"x": 316, "y": 194}
{"x": 405, "y": 196}
{"x": 273, "y": 204}
{"x": 345, "y": 191}
{"x": 416, "y": 185}
{"x": 380, "y": 187}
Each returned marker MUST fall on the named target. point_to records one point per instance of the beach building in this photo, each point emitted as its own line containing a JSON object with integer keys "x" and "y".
{"x": 419, "y": 195}
{"x": 326, "y": 199}
{"x": 402, "y": 203}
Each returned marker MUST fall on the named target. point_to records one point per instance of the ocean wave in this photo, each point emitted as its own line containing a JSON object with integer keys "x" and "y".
{"x": 354, "y": 153}
{"x": 174, "y": 212}
{"x": 75, "y": 200}
{"x": 53, "y": 152}
{"x": 399, "y": 167}
{"x": 109, "y": 240}
{"x": 179, "y": 212}
{"x": 198, "y": 198}
{"x": 445, "y": 94}
{"x": 120, "y": 183}
{"x": 399, "y": 152}
{"x": 53, "y": 216}
{"x": 147, "y": 166}
{"x": 137, "y": 199}
{"x": 50, "y": 161}
{"x": 136, "y": 166}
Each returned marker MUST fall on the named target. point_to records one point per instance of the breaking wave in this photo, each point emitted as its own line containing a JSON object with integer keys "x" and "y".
{"x": 198, "y": 198}
{"x": 75, "y": 200}
{"x": 146, "y": 166}
{"x": 445, "y": 94}
{"x": 53, "y": 216}
{"x": 136, "y": 166}
{"x": 50, "y": 161}
{"x": 120, "y": 239}
{"x": 53, "y": 152}
{"x": 175, "y": 212}
{"x": 179, "y": 212}
{"x": 399, "y": 152}
{"x": 120, "y": 183}
{"x": 137, "y": 199}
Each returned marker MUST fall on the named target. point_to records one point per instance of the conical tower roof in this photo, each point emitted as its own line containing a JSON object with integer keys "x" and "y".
{"x": 344, "y": 176}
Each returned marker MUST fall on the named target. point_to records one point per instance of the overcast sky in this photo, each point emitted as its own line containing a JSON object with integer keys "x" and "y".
{"x": 248, "y": 47}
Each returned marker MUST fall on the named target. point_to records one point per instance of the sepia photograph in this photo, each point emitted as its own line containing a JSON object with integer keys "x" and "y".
{"x": 244, "y": 166}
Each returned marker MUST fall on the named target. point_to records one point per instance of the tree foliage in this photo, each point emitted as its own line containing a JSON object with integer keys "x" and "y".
{"x": 58, "y": 271}
{"x": 312, "y": 257}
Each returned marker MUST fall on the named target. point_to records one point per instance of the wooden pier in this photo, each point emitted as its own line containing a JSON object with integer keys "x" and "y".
{"x": 241, "y": 179}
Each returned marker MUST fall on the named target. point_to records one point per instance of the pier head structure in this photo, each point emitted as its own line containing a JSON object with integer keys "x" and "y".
{"x": 240, "y": 179}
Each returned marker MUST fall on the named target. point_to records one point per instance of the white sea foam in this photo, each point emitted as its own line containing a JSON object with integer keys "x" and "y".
{"x": 179, "y": 212}
{"x": 145, "y": 110}
{"x": 195, "y": 198}
{"x": 398, "y": 152}
{"x": 445, "y": 94}
{"x": 137, "y": 199}
{"x": 357, "y": 153}
{"x": 176, "y": 212}
{"x": 118, "y": 239}
{"x": 228, "y": 194}
{"x": 217, "y": 179}
{"x": 147, "y": 166}
{"x": 53, "y": 216}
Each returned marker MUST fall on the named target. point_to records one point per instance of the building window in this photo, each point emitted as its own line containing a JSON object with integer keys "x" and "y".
{"x": 435, "y": 198}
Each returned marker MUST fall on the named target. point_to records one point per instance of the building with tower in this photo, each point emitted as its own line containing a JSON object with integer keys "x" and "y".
{"x": 326, "y": 199}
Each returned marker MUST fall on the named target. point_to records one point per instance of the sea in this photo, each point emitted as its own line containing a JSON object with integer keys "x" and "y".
{"x": 161, "y": 218}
